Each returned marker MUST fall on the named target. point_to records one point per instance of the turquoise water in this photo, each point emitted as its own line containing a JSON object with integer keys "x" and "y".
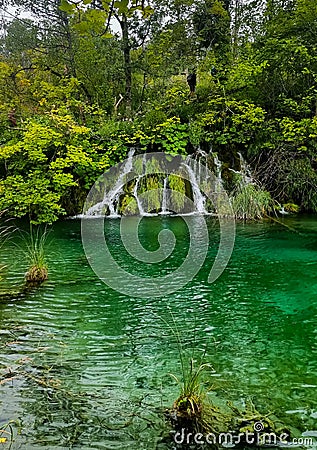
{"x": 91, "y": 367}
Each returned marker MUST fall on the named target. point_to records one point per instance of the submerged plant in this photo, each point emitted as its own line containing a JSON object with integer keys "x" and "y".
{"x": 35, "y": 254}
{"x": 7, "y": 431}
{"x": 193, "y": 413}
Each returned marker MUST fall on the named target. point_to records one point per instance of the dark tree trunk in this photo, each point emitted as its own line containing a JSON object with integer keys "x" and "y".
{"x": 227, "y": 5}
{"x": 127, "y": 59}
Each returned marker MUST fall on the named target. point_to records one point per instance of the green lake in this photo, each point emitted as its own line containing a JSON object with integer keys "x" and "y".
{"x": 91, "y": 367}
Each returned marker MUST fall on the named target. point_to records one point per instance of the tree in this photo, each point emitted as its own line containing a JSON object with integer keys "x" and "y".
{"x": 211, "y": 21}
{"x": 19, "y": 36}
{"x": 90, "y": 14}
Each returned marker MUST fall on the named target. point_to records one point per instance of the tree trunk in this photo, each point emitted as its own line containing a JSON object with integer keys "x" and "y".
{"x": 127, "y": 59}
{"x": 236, "y": 28}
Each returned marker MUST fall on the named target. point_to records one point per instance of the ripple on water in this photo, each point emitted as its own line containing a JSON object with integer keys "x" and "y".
{"x": 256, "y": 325}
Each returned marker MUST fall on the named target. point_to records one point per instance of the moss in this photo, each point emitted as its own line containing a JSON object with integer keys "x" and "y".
{"x": 153, "y": 194}
{"x": 36, "y": 274}
{"x": 128, "y": 205}
{"x": 178, "y": 195}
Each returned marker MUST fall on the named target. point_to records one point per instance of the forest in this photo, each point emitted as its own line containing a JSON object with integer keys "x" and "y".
{"x": 179, "y": 322}
{"x": 83, "y": 81}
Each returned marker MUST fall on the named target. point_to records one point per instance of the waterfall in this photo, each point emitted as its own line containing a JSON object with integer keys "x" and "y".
{"x": 139, "y": 168}
{"x": 138, "y": 200}
{"x": 218, "y": 172}
{"x": 111, "y": 198}
{"x": 198, "y": 156}
{"x": 201, "y": 153}
{"x": 164, "y": 197}
{"x": 244, "y": 172}
{"x": 198, "y": 198}
{"x": 218, "y": 166}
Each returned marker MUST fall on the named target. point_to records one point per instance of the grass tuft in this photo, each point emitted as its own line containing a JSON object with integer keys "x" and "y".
{"x": 35, "y": 255}
{"x": 251, "y": 202}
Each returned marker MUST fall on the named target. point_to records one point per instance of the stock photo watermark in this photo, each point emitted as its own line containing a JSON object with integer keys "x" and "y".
{"x": 162, "y": 173}
{"x": 258, "y": 437}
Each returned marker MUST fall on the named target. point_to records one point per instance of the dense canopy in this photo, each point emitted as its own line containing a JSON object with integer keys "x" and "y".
{"x": 83, "y": 81}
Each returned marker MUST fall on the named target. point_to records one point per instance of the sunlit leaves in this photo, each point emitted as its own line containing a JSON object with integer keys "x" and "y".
{"x": 119, "y": 7}
{"x": 45, "y": 163}
{"x": 67, "y": 7}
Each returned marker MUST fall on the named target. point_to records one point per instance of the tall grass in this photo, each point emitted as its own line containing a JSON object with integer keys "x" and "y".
{"x": 5, "y": 229}
{"x": 35, "y": 252}
{"x": 251, "y": 202}
{"x": 191, "y": 410}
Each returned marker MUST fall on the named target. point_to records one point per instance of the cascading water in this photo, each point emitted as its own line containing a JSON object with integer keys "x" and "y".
{"x": 110, "y": 199}
{"x": 244, "y": 172}
{"x": 198, "y": 198}
{"x": 218, "y": 171}
{"x": 164, "y": 198}
{"x": 137, "y": 198}
{"x": 140, "y": 168}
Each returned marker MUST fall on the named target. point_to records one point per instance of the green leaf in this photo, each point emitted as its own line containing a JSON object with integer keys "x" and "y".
{"x": 106, "y": 4}
{"x": 147, "y": 12}
{"x": 107, "y": 35}
{"x": 67, "y": 7}
{"x": 121, "y": 5}
{"x": 82, "y": 27}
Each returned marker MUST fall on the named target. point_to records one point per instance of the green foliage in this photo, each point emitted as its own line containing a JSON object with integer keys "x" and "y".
{"x": 20, "y": 36}
{"x": 250, "y": 202}
{"x": 170, "y": 136}
{"x": 75, "y": 95}
{"x": 231, "y": 121}
{"x": 212, "y": 23}
{"x": 92, "y": 18}
{"x": 43, "y": 165}
{"x": 178, "y": 194}
{"x": 291, "y": 207}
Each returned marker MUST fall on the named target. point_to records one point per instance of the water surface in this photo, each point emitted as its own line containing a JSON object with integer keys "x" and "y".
{"x": 91, "y": 367}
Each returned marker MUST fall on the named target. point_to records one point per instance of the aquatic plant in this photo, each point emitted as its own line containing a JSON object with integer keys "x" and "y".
{"x": 35, "y": 254}
{"x": 7, "y": 432}
{"x": 192, "y": 410}
{"x": 250, "y": 202}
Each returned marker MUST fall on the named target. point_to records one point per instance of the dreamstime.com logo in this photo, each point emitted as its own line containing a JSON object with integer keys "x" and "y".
{"x": 140, "y": 179}
{"x": 230, "y": 439}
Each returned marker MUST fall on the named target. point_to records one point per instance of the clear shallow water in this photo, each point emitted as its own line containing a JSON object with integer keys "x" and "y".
{"x": 92, "y": 366}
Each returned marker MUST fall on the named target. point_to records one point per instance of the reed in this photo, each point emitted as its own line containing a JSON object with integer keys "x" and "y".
{"x": 35, "y": 251}
{"x": 250, "y": 202}
{"x": 191, "y": 410}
